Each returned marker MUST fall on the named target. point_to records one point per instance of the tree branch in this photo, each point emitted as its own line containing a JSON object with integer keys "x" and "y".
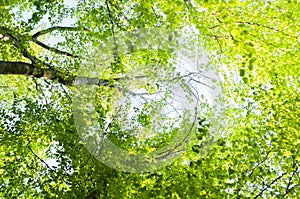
{"x": 261, "y": 162}
{"x": 289, "y": 188}
{"x": 40, "y": 159}
{"x": 264, "y": 26}
{"x": 9, "y": 34}
{"x": 23, "y": 68}
{"x": 58, "y": 28}
{"x": 117, "y": 9}
{"x": 269, "y": 185}
{"x": 47, "y": 165}
{"x": 16, "y": 42}
{"x": 35, "y": 40}
{"x": 257, "y": 24}
{"x": 115, "y": 53}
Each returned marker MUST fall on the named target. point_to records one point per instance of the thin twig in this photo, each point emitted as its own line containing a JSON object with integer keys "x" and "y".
{"x": 40, "y": 159}
{"x": 264, "y": 26}
{"x": 265, "y": 158}
{"x": 269, "y": 185}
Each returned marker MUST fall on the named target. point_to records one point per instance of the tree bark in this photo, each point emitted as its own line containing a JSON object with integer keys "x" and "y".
{"x": 23, "y": 68}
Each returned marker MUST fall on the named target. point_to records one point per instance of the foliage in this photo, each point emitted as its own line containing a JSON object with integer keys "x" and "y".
{"x": 255, "y": 45}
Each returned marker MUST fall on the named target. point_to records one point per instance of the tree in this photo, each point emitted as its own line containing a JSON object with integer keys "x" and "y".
{"x": 255, "y": 46}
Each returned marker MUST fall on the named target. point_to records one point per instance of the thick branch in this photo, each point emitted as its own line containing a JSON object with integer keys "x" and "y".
{"x": 22, "y": 68}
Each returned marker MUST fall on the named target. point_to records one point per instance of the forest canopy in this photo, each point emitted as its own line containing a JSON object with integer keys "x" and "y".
{"x": 79, "y": 78}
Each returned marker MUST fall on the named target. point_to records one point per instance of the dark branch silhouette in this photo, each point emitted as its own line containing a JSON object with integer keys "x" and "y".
{"x": 55, "y": 50}
{"x": 269, "y": 185}
{"x": 58, "y": 28}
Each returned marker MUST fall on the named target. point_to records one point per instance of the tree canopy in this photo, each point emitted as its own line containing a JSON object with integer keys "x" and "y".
{"x": 146, "y": 101}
